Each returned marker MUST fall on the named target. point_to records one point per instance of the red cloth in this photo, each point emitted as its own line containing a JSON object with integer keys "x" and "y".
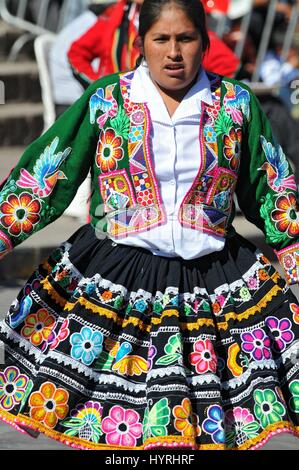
{"x": 99, "y": 40}
{"x": 216, "y": 5}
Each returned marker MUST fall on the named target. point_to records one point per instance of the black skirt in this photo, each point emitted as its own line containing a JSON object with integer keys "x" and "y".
{"x": 108, "y": 346}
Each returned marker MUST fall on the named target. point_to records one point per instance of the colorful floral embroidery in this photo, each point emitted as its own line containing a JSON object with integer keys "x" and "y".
{"x": 122, "y": 427}
{"x": 12, "y": 388}
{"x": 236, "y": 102}
{"x": 85, "y": 422}
{"x": 5, "y": 244}
{"x": 286, "y": 215}
{"x": 186, "y": 422}
{"x": 277, "y": 168}
{"x": 20, "y": 214}
{"x": 103, "y": 101}
{"x": 127, "y": 364}
{"x": 233, "y": 355}
{"x": 86, "y": 345}
{"x": 295, "y": 311}
{"x": 38, "y": 327}
{"x": 203, "y": 358}
{"x": 240, "y": 425}
{"x": 267, "y": 408}
{"x": 173, "y": 349}
{"x": 156, "y": 420}
{"x": 49, "y": 404}
{"x": 109, "y": 150}
{"x": 46, "y": 171}
{"x": 116, "y": 190}
{"x": 257, "y": 344}
{"x": 294, "y": 401}
{"x": 214, "y": 424}
{"x": 55, "y": 339}
{"x": 289, "y": 260}
{"x": 232, "y": 147}
{"x": 280, "y": 332}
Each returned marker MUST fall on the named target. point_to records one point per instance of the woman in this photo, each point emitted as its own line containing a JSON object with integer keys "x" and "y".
{"x": 156, "y": 325}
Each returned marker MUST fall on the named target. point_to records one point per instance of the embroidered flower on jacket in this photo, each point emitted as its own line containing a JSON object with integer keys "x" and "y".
{"x": 294, "y": 401}
{"x": 86, "y": 345}
{"x": 214, "y": 425}
{"x": 280, "y": 332}
{"x": 240, "y": 425}
{"x": 109, "y": 150}
{"x": 85, "y": 422}
{"x": 203, "y": 358}
{"x": 19, "y": 214}
{"x": 12, "y": 388}
{"x": 232, "y": 147}
{"x": 210, "y": 134}
{"x": 286, "y": 215}
{"x": 38, "y": 327}
{"x": 267, "y": 408}
{"x": 49, "y": 404}
{"x": 186, "y": 422}
{"x": 257, "y": 344}
{"x": 122, "y": 427}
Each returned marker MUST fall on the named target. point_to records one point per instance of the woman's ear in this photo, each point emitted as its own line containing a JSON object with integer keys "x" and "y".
{"x": 138, "y": 43}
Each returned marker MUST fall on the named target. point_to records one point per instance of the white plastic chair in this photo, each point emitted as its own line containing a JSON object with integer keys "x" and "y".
{"x": 42, "y": 46}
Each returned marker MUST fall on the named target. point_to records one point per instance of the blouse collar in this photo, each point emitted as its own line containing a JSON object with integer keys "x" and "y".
{"x": 143, "y": 90}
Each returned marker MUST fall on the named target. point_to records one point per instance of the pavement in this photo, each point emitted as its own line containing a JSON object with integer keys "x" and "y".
{"x": 50, "y": 237}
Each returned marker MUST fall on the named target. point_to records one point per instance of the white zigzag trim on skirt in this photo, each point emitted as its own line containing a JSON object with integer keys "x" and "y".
{"x": 64, "y": 379}
{"x": 238, "y": 331}
{"x": 166, "y": 372}
{"x": 98, "y": 280}
{"x": 107, "y": 333}
{"x": 65, "y": 261}
{"x": 168, "y": 388}
{"x": 25, "y": 363}
{"x": 25, "y": 344}
{"x": 40, "y": 302}
{"x": 249, "y": 389}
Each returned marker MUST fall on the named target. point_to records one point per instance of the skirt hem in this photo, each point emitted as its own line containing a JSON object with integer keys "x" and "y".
{"x": 173, "y": 442}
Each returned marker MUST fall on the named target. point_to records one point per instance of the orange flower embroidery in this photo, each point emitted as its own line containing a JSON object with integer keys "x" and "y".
{"x": 109, "y": 150}
{"x": 107, "y": 295}
{"x": 38, "y": 327}
{"x": 295, "y": 311}
{"x": 49, "y": 404}
{"x": 186, "y": 421}
{"x": 263, "y": 275}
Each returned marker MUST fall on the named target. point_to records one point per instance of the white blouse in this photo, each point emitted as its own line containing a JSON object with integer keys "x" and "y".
{"x": 176, "y": 159}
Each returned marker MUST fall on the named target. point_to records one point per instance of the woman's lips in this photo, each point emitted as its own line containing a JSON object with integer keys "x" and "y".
{"x": 174, "y": 70}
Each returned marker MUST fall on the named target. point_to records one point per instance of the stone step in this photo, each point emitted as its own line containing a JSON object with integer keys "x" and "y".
{"x": 8, "y": 36}
{"x": 21, "y": 82}
{"x": 20, "y": 124}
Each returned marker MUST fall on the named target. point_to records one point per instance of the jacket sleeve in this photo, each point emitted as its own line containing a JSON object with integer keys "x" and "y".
{"x": 266, "y": 190}
{"x": 45, "y": 180}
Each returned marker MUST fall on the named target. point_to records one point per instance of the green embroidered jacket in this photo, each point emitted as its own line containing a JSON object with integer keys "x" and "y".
{"x": 106, "y": 133}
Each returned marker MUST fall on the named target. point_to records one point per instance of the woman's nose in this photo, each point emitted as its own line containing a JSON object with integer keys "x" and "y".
{"x": 174, "y": 50}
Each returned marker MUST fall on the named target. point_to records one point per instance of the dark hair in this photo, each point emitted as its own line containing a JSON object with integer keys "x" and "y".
{"x": 151, "y": 11}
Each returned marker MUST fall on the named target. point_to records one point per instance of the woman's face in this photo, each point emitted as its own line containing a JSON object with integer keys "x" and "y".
{"x": 173, "y": 50}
